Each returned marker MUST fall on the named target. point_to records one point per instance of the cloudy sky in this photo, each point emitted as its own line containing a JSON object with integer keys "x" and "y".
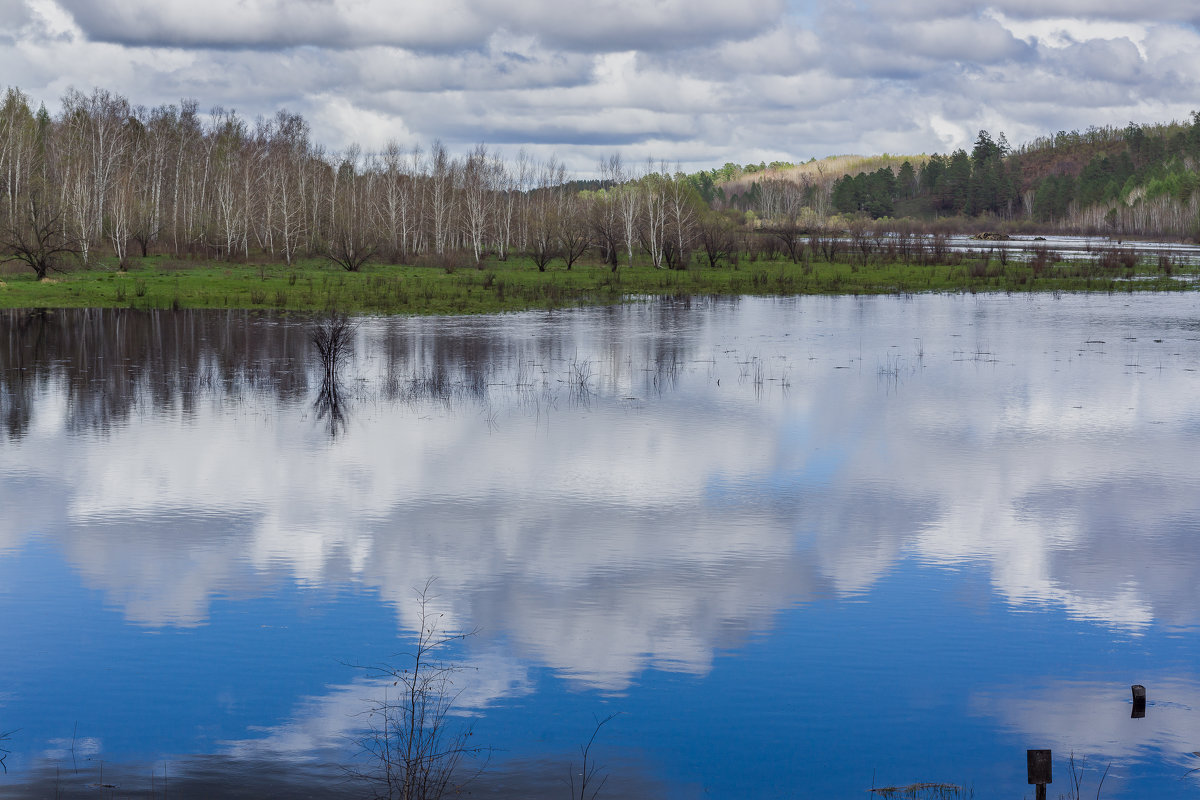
{"x": 700, "y": 82}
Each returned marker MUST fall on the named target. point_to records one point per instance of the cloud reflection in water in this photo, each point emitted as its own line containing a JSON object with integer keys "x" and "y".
{"x": 663, "y": 516}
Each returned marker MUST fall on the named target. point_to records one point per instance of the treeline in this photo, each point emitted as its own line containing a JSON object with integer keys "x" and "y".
{"x": 1137, "y": 180}
{"x": 104, "y": 174}
{"x": 1145, "y": 180}
{"x": 983, "y": 182}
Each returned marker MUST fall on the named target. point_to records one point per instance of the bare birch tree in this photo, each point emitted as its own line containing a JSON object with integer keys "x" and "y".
{"x": 477, "y": 195}
{"x": 441, "y": 195}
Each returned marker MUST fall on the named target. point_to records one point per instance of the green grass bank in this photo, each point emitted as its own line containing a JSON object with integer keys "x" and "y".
{"x": 516, "y": 285}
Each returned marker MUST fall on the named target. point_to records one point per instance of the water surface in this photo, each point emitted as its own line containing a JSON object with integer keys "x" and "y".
{"x": 801, "y": 545}
{"x": 1078, "y": 248}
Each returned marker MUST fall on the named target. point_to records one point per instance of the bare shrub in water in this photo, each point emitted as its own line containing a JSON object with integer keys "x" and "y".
{"x": 334, "y": 340}
{"x": 413, "y": 749}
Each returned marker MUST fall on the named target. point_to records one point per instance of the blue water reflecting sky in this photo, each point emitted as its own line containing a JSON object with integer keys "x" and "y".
{"x": 800, "y": 545}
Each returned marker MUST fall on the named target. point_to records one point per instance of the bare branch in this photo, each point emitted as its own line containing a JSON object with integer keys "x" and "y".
{"x": 4, "y": 737}
{"x": 415, "y": 753}
{"x": 590, "y": 770}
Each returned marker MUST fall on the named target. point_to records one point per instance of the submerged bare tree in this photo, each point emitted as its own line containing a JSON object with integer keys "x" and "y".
{"x": 414, "y": 750}
{"x": 334, "y": 339}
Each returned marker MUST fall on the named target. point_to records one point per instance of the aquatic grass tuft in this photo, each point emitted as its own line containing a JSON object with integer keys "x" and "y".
{"x": 924, "y": 791}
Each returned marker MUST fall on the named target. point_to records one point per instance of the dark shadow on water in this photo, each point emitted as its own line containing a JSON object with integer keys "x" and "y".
{"x": 227, "y": 778}
{"x": 111, "y": 364}
{"x": 207, "y": 777}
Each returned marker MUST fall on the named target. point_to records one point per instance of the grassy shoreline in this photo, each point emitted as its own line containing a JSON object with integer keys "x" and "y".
{"x": 516, "y": 285}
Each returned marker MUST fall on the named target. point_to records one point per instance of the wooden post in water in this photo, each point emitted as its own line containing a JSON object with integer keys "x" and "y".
{"x": 1139, "y": 702}
{"x": 1040, "y": 771}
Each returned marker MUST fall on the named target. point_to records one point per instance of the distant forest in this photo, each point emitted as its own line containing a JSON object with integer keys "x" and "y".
{"x": 108, "y": 179}
{"x": 1136, "y": 180}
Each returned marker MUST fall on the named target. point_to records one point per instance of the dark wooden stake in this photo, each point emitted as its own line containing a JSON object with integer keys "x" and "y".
{"x": 1040, "y": 769}
{"x": 1139, "y": 701}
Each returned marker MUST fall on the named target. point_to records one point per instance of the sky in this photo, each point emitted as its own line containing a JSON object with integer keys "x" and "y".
{"x": 694, "y": 82}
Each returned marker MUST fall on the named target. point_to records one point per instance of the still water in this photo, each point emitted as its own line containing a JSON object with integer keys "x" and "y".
{"x": 1077, "y": 248}
{"x": 802, "y": 547}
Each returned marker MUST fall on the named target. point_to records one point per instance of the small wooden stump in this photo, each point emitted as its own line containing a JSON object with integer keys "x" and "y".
{"x": 1139, "y": 702}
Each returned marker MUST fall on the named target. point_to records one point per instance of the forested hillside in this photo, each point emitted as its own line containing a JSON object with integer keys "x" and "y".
{"x": 1136, "y": 180}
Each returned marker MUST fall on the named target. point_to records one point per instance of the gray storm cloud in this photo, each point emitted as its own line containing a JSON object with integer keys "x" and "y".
{"x": 276, "y": 24}
{"x": 607, "y": 25}
{"x": 700, "y": 83}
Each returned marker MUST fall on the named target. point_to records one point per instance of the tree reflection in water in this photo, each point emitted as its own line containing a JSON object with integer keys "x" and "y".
{"x": 334, "y": 339}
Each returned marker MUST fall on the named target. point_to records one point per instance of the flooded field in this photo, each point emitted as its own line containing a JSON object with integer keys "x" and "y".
{"x": 1077, "y": 248}
{"x": 799, "y": 547}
